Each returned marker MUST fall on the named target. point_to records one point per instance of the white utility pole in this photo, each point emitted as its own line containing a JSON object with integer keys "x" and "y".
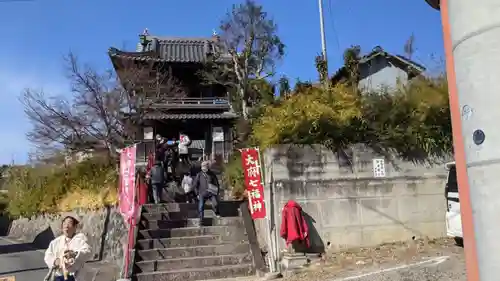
{"x": 472, "y": 44}
{"x": 322, "y": 29}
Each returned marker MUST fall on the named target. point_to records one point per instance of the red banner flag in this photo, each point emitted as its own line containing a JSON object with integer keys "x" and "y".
{"x": 253, "y": 182}
{"x": 127, "y": 182}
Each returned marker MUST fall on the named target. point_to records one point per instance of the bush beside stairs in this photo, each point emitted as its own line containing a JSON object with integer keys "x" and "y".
{"x": 170, "y": 246}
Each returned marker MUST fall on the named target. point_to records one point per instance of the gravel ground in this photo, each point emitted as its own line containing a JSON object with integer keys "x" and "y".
{"x": 418, "y": 260}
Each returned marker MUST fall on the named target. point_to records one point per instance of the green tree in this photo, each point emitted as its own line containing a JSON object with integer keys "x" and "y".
{"x": 352, "y": 56}
{"x": 284, "y": 86}
{"x": 313, "y": 115}
{"x": 263, "y": 94}
{"x": 322, "y": 68}
{"x": 3, "y": 174}
{"x": 234, "y": 176}
{"x": 413, "y": 120}
{"x": 301, "y": 86}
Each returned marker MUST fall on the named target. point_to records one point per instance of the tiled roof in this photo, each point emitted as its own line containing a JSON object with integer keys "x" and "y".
{"x": 378, "y": 51}
{"x": 184, "y": 49}
{"x": 193, "y": 50}
{"x": 180, "y": 116}
{"x": 139, "y": 56}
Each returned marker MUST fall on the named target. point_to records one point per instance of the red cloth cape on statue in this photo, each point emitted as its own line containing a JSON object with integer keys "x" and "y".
{"x": 293, "y": 224}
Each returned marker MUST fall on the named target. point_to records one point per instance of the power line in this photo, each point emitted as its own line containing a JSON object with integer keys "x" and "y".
{"x": 332, "y": 20}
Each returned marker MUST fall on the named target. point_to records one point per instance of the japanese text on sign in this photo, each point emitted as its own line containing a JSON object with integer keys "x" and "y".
{"x": 253, "y": 182}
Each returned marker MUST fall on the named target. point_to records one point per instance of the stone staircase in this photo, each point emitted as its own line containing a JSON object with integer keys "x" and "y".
{"x": 170, "y": 246}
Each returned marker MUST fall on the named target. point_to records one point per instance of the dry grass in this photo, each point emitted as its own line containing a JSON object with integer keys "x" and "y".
{"x": 38, "y": 189}
{"x": 89, "y": 199}
{"x": 400, "y": 252}
{"x": 385, "y": 255}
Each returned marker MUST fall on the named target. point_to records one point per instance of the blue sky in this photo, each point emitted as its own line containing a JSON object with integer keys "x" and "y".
{"x": 36, "y": 34}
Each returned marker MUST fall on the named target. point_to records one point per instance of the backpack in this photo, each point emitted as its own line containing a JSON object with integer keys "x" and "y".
{"x": 211, "y": 188}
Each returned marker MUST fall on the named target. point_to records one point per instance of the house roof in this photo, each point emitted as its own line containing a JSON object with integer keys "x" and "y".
{"x": 184, "y": 116}
{"x": 377, "y": 52}
{"x": 170, "y": 49}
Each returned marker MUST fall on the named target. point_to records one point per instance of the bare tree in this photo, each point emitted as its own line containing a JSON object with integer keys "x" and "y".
{"x": 103, "y": 108}
{"x": 248, "y": 49}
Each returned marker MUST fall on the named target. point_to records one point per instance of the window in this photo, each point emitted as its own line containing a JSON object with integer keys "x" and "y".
{"x": 452, "y": 185}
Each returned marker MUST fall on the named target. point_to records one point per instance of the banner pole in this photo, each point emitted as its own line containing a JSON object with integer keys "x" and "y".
{"x": 268, "y": 204}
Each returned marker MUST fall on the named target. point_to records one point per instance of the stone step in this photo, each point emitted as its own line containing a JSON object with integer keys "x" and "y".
{"x": 188, "y": 241}
{"x": 206, "y": 273}
{"x": 191, "y": 214}
{"x": 224, "y": 231}
{"x": 168, "y": 224}
{"x": 169, "y": 207}
{"x": 196, "y": 262}
{"x": 196, "y": 251}
{"x": 226, "y": 208}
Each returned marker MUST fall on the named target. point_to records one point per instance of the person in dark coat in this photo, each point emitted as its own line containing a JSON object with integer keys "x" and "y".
{"x": 157, "y": 180}
{"x": 160, "y": 148}
{"x": 174, "y": 160}
{"x": 161, "y": 152}
{"x": 167, "y": 164}
{"x": 206, "y": 187}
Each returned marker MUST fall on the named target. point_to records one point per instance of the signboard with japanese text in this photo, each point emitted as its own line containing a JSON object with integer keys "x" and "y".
{"x": 253, "y": 182}
{"x": 217, "y": 134}
{"x": 127, "y": 182}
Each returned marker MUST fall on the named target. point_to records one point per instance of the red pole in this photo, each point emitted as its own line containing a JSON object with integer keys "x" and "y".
{"x": 143, "y": 193}
{"x": 143, "y": 186}
{"x": 471, "y": 263}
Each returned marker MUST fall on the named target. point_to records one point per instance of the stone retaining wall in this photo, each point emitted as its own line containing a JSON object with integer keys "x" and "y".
{"x": 105, "y": 230}
{"x": 345, "y": 205}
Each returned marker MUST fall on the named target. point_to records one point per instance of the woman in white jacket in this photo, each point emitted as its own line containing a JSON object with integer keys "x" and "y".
{"x": 184, "y": 143}
{"x": 67, "y": 253}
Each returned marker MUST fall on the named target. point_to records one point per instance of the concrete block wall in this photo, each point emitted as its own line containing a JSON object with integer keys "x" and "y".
{"x": 346, "y": 206}
{"x": 105, "y": 229}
